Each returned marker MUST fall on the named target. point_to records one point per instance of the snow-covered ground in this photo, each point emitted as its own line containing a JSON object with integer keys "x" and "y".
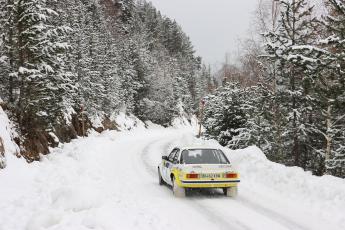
{"x": 6, "y": 138}
{"x": 108, "y": 181}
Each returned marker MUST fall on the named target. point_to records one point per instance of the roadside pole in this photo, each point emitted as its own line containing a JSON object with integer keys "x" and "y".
{"x": 202, "y": 104}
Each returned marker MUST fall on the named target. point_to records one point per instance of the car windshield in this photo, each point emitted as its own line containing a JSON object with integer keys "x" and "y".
{"x": 203, "y": 156}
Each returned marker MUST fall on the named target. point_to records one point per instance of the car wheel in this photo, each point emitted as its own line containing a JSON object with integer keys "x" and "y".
{"x": 160, "y": 179}
{"x": 231, "y": 192}
{"x": 178, "y": 191}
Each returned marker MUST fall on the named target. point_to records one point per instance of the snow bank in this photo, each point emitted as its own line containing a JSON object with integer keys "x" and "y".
{"x": 70, "y": 198}
{"x": 128, "y": 122}
{"x": 180, "y": 122}
{"x": 284, "y": 186}
{"x": 6, "y": 136}
{"x": 109, "y": 181}
{"x": 183, "y": 122}
{"x": 293, "y": 183}
{"x": 278, "y": 185}
{"x": 96, "y": 120}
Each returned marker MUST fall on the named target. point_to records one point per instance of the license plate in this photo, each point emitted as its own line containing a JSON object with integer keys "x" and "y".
{"x": 210, "y": 175}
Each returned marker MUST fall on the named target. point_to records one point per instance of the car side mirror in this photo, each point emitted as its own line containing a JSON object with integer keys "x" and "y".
{"x": 165, "y": 158}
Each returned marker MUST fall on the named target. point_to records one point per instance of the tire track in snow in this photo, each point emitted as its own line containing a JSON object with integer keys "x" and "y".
{"x": 223, "y": 223}
{"x": 145, "y": 159}
{"x": 272, "y": 215}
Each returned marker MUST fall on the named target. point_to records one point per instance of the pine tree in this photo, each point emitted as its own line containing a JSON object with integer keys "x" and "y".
{"x": 225, "y": 116}
{"x": 291, "y": 48}
{"x": 331, "y": 91}
{"x": 203, "y": 79}
{"x": 259, "y": 120}
{"x": 109, "y": 56}
{"x": 41, "y": 72}
{"x": 8, "y": 58}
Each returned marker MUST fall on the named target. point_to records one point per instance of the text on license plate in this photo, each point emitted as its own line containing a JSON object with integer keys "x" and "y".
{"x": 210, "y": 175}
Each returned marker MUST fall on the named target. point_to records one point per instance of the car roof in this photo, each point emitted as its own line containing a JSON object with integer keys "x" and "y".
{"x": 195, "y": 147}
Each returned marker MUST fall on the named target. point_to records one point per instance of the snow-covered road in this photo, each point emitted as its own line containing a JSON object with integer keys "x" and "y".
{"x": 108, "y": 181}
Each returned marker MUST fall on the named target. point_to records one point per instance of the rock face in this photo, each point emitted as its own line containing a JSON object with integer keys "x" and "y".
{"x": 38, "y": 141}
{"x": 2, "y": 154}
{"x": 3, "y": 121}
{"x": 81, "y": 124}
{"x": 66, "y": 133}
{"x": 35, "y": 144}
{"x": 108, "y": 124}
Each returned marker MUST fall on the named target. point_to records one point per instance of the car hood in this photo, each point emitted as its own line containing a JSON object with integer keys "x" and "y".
{"x": 207, "y": 168}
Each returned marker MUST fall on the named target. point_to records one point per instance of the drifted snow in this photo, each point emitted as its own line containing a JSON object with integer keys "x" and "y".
{"x": 128, "y": 121}
{"x": 325, "y": 194}
{"x": 6, "y": 134}
{"x": 182, "y": 122}
{"x": 108, "y": 181}
{"x": 96, "y": 120}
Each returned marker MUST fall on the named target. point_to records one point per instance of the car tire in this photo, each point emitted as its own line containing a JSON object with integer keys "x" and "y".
{"x": 231, "y": 192}
{"x": 160, "y": 179}
{"x": 177, "y": 190}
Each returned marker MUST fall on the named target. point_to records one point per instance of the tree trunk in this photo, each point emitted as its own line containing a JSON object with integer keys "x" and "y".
{"x": 328, "y": 136}
{"x": 11, "y": 58}
{"x": 295, "y": 148}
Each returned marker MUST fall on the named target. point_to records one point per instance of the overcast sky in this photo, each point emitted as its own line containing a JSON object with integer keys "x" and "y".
{"x": 214, "y": 26}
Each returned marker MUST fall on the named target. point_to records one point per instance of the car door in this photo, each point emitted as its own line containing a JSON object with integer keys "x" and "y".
{"x": 173, "y": 162}
{"x": 166, "y": 164}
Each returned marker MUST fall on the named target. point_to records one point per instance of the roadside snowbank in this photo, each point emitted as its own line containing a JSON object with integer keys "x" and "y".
{"x": 6, "y": 136}
{"x": 108, "y": 181}
{"x": 127, "y": 122}
{"x": 183, "y": 122}
{"x": 325, "y": 194}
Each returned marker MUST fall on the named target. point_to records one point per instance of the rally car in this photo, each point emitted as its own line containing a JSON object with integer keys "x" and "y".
{"x": 195, "y": 167}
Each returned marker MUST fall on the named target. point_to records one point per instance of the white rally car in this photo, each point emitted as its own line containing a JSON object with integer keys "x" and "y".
{"x": 188, "y": 168}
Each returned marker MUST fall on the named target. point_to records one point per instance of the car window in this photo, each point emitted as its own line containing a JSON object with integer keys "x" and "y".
{"x": 175, "y": 158}
{"x": 203, "y": 156}
{"x": 172, "y": 154}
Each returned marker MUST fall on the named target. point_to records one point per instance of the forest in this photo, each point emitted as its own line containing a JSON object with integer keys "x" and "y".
{"x": 112, "y": 117}
{"x": 64, "y": 65}
{"x": 285, "y": 92}
{"x": 67, "y": 67}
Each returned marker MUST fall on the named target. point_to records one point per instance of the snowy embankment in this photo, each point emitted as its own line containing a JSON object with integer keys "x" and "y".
{"x": 7, "y": 146}
{"x": 325, "y": 195}
{"x": 108, "y": 181}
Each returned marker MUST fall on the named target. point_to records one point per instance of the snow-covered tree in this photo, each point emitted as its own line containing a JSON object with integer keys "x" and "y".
{"x": 331, "y": 90}
{"x": 294, "y": 110}
{"x": 33, "y": 56}
{"x": 292, "y": 49}
{"x": 8, "y": 79}
{"x": 41, "y": 72}
{"x": 225, "y": 116}
{"x": 109, "y": 56}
